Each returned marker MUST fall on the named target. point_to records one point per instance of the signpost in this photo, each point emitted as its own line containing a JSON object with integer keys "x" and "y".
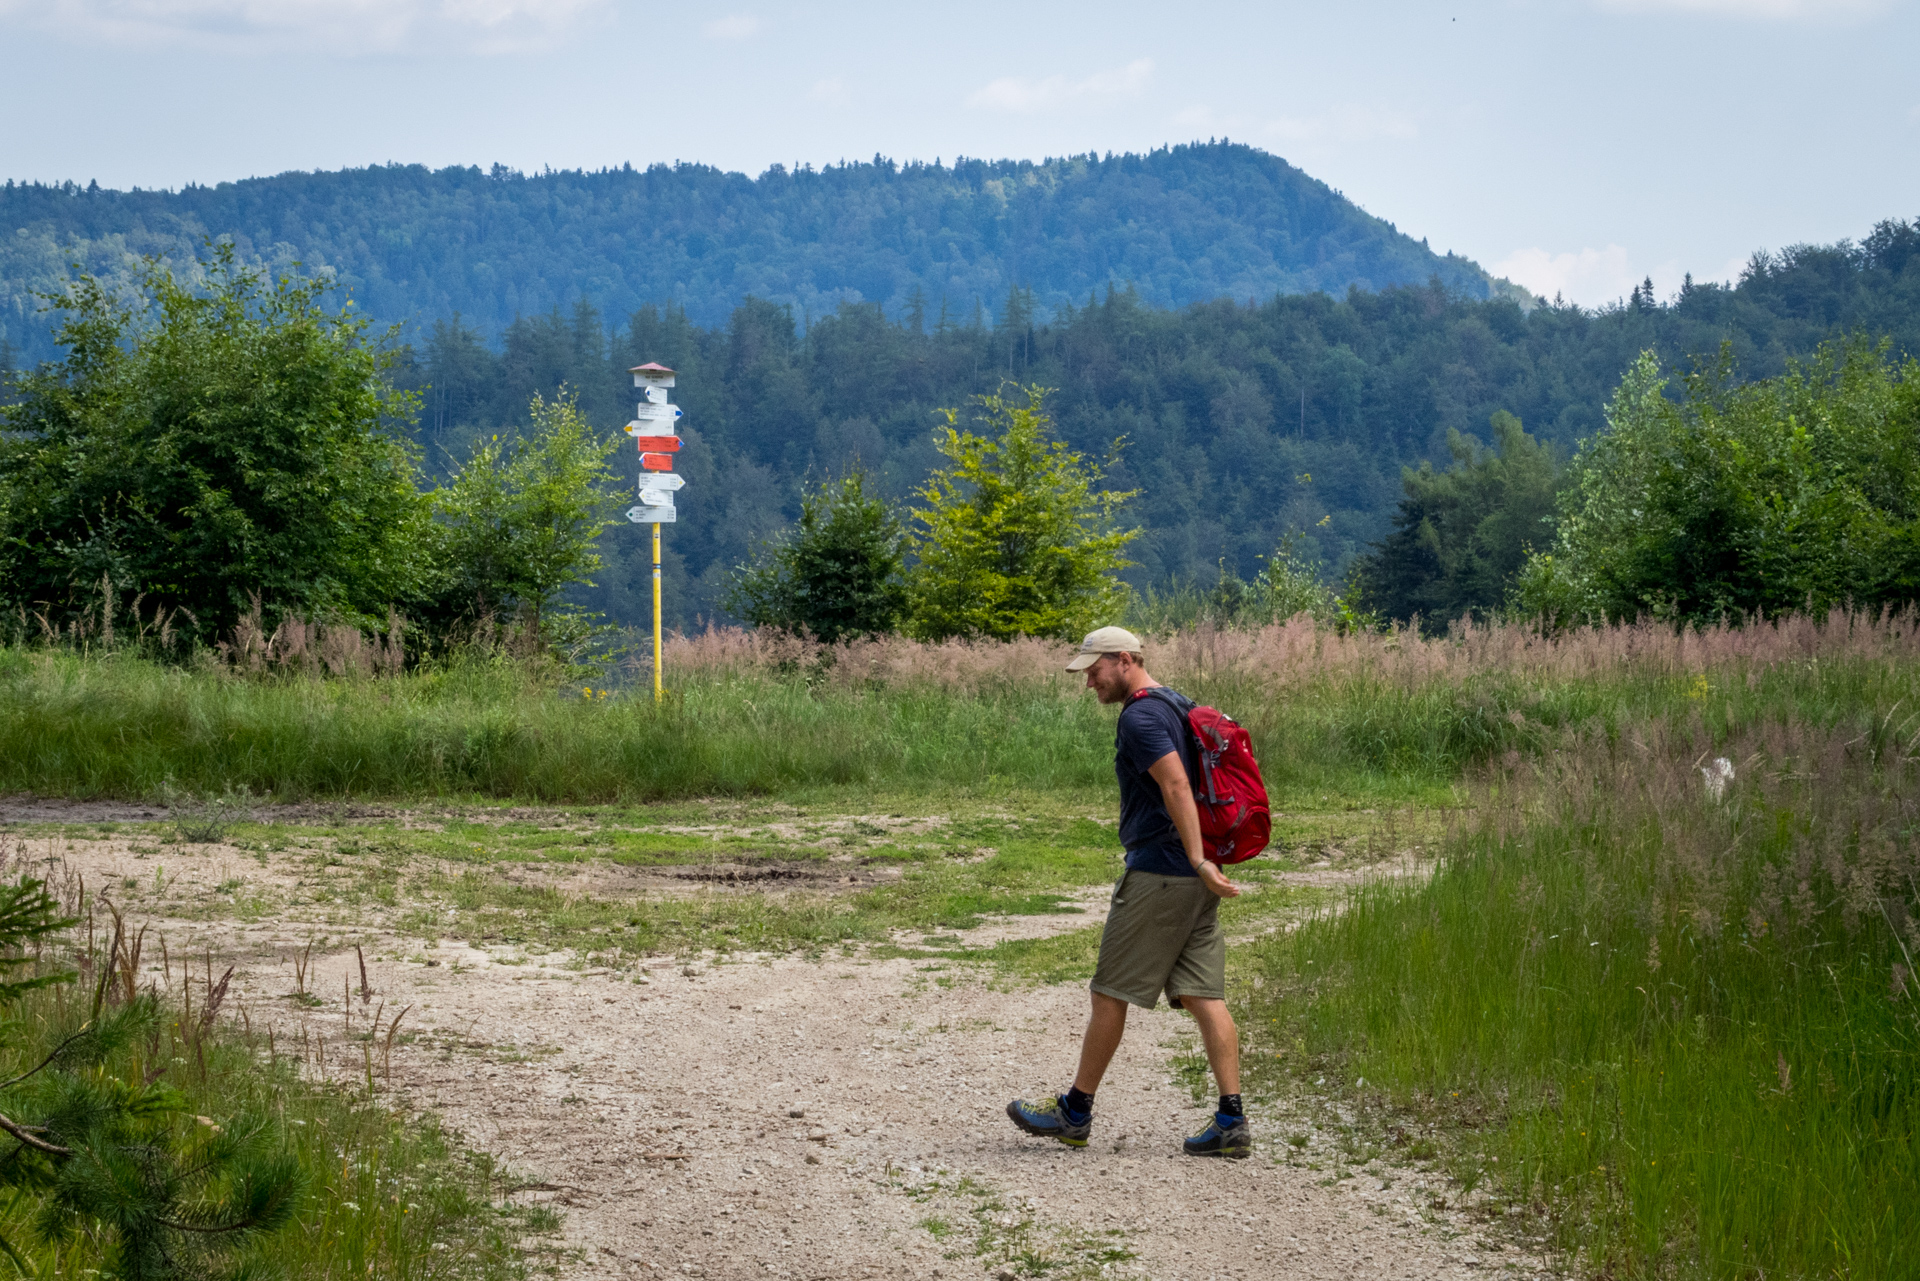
{"x": 655, "y": 427}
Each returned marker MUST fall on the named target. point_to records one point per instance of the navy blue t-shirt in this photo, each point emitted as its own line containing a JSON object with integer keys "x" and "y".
{"x": 1149, "y": 728}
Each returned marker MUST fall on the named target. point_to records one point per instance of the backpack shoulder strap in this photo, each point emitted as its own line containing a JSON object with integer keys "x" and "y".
{"x": 1171, "y": 697}
{"x": 1203, "y": 786}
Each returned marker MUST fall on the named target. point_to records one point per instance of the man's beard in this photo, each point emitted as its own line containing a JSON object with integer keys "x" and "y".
{"x": 1113, "y": 690}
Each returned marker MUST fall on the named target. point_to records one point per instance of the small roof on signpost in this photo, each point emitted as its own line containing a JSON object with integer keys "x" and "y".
{"x": 656, "y": 374}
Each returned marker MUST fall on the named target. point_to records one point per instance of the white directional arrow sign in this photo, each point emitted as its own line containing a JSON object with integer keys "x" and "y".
{"x": 651, "y": 515}
{"x": 667, "y": 481}
{"x": 651, "y": 420}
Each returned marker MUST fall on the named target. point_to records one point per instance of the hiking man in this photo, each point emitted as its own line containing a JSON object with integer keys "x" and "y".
{"x": 1163, "y": 924}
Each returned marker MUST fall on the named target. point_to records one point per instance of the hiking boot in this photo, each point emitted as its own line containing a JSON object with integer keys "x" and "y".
{"x": 1233, "y": 1139}
{"x": 1047, "y": 1118}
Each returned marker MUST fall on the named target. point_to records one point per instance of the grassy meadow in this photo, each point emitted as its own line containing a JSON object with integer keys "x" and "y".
{"x": 1685, "y": 1027}
{"x": 1677, "y": 1021}
{"x": 1393, "y": 719}
{"x": 1677, "y": 1029}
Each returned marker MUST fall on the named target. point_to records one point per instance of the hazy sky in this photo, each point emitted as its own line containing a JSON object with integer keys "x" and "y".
{"x": 1575, "y": 145}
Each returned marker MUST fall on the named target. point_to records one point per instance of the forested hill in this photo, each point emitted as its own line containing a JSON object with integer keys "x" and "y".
{"x": 1241, "y": 422}
{"x": 1180, "y": 224}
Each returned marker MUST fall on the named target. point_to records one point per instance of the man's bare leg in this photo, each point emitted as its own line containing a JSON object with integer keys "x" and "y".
{"x": 1217, "y": 1033}
{"x": 1105, "y": 1026}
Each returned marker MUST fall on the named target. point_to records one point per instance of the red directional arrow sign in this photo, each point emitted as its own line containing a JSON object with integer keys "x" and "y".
{"x": 659, "y": 444}
{"x": 657, "y": 462}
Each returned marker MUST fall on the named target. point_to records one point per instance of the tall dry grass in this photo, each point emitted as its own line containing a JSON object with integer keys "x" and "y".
{"x": 310, "y": 647}
{"x": 1302, "y": 652}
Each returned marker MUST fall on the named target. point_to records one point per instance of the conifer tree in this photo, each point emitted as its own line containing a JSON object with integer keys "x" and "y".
{"x": 103, "y": 1149}
{"x": 1015, "y": 539}
{"x": 839, "y": 573}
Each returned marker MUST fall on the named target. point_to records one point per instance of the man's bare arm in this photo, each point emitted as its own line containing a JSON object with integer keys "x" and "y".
{"x": 1171, "y": 773}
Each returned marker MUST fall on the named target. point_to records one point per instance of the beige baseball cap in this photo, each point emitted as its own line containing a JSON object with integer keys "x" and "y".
{"x": 1106, "y": 640}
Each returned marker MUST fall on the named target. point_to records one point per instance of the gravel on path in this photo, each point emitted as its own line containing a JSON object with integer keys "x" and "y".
{"x": 833, "y": 1118}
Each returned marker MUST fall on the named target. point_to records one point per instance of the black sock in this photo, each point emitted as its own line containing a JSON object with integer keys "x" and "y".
{"x": 1230, "y": 1105}
{"x": 1078, "y": 1104}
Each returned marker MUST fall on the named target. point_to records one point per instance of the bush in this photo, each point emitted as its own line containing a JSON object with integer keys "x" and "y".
{"x": 206, "y": 448}
{"x": 109, "y": 1152}
{"x": 200, "y": 1151}
{"x": 520, "y": 520}
{"x": 1289, "y": 585}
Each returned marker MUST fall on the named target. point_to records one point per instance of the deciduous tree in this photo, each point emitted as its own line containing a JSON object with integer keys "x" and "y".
{"x": 1795, "y": 491}
{"x": 521, "y": 518}
{"x": 205, "y": 442}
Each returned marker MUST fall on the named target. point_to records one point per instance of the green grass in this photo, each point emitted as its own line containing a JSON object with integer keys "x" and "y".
{"x": 1687, "y": 1029}
{"x": 1068, "y": 956}
{"x": 120, "y": 726}
{"x": 388, "y": 1195}
{"x": 971, "y": 869}
{"x": 1005, "y": 1236}
{"x": 466, "y": 879}
{"x": 1375, "y": 721}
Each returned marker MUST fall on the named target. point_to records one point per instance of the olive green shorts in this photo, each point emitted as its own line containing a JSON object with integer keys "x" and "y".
{"x": 1162, "y": 935}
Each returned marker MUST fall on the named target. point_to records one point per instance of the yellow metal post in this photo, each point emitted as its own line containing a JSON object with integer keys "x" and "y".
{"x": 657, "y": 690}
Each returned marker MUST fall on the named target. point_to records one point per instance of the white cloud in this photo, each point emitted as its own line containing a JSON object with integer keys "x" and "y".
{"x": 1588, "y": 277}
{"x": 1763, "y": 10}
{"x": 1016, "y": 93}
{"x": 334, "y": 26}
{"x": 833, "y": 89}
{"x": 1346, "y": 124}
{"x": 1596, "y": 277}
{"x": 738, "y": 26}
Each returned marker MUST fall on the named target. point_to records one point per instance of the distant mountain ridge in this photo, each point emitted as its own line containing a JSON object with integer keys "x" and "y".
{"x": 1182, "y": 224}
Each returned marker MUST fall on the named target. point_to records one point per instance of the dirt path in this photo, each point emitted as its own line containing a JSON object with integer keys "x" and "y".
{"x": 840, "y": 1118}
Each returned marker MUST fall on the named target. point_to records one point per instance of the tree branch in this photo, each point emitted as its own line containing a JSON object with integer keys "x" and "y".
{"x": 31, "y": 1140}
{"x": 84, "y": 1029}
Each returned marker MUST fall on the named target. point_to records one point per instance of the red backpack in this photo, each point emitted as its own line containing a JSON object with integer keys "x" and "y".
{"x": 1235, "y": 823}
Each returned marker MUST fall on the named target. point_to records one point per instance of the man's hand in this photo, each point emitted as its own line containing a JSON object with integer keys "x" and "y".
{"x": 1216, "y": 880}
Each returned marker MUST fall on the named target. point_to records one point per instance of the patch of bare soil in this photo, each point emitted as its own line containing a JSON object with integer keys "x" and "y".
{"x": 762, "y": 876}
{"x": 774, "y": 874}
{"x": 34, "y": 809}
{"x": 779, "y": 1117}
